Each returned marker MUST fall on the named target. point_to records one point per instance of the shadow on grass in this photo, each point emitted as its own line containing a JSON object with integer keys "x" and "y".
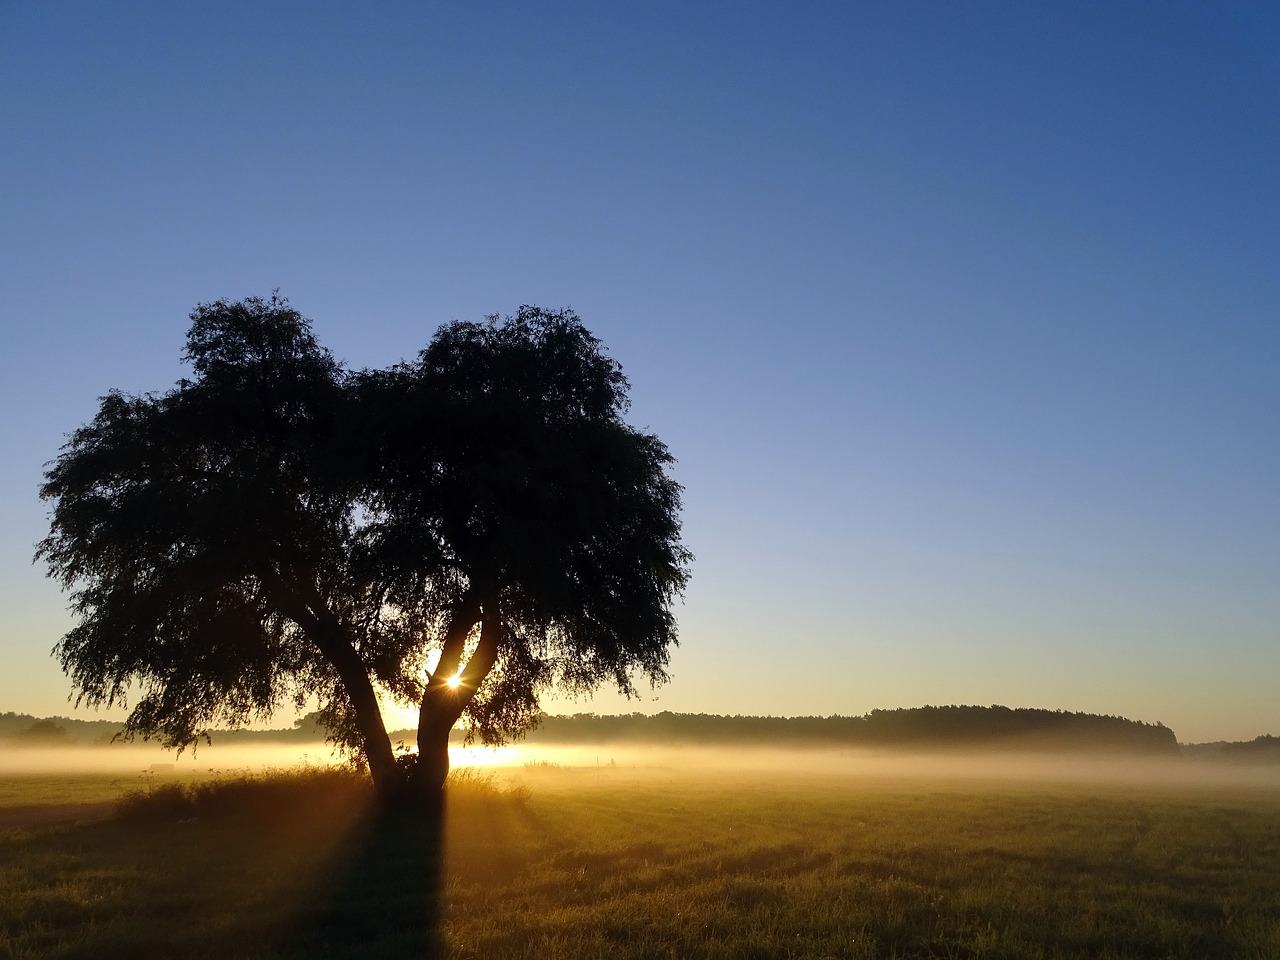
{"x": 322, "y": 871}
{"x": 382, "y": 897}
{"x": 277, "y": 867}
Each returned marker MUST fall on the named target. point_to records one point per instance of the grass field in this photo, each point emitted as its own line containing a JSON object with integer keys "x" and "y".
{"x": 623, "y": 862}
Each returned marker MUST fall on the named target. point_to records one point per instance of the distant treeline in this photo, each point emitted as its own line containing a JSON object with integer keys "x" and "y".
{"x": 949, "y": 727}
{"x": 966, "y": 727}
{"x": 1264, "y": 749}
{"x": 22, "y": 729}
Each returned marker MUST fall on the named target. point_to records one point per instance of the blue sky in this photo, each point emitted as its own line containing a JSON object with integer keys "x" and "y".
{"x": 963, "y": 321}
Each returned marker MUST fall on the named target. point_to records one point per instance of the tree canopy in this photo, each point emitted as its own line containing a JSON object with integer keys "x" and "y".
{"x": 461, "y": 532}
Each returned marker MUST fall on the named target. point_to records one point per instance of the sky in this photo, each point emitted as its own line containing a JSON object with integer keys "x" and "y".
{"x": 962, "y": 320}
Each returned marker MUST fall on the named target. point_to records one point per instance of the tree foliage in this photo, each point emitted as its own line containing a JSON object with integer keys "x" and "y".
{"x": 506, "y": 458}
{"x": 277, "y": 528}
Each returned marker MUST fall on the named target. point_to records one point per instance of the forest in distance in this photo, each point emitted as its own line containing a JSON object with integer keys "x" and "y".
{"x": 933, "y": 728}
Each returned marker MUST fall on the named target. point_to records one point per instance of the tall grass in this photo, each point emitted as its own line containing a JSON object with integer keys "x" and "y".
{"x": 305, "y": 791}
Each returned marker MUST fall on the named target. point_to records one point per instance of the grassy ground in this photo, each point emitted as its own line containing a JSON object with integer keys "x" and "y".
{"x": 623, "y": 863}
{"x": 27, "y": 789}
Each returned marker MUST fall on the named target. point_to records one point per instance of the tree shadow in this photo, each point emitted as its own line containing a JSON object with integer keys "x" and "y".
{"x": 382, "y": 897}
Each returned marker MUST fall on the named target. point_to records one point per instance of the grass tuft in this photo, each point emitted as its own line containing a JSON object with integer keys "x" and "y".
{"x": 308, "y": 791}
{"x": 470, "y": 784}
{"x": 272, "y": 793}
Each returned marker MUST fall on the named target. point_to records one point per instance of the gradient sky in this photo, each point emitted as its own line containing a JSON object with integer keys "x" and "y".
{"x": 963, "y": 320}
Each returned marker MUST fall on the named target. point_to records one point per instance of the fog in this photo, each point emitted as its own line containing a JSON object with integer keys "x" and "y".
{"x": 759, "y": 764}
{"x": 904, "y": 767}
{"x": 134, "y": 758}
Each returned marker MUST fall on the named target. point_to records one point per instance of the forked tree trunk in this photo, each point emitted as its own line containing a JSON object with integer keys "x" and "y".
{"x": 443, "y": 703}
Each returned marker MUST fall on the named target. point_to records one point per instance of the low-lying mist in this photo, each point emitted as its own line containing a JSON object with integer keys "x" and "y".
{"x": 883, "y": 766}
{"x": 758, "y": 763}
{"x": 132, "y": 758}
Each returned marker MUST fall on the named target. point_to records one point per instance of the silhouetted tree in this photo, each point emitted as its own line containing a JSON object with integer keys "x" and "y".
{"x": 549, "y": 526}
{"x": 44, "y": 733}
{"x": 276, "y": 529}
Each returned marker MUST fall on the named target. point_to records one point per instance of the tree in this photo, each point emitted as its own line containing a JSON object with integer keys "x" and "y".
{"x": 462, "y": 532}
{"x": 551, "y": 525}
{"x": 44, "y": 733}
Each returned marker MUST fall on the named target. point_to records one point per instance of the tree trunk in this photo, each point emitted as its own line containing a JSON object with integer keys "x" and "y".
{"x": 334, "y": 642}
{"x": 443, "y": 702}
{"x": 433, "y": 761}
{"x": 364, "y": 700}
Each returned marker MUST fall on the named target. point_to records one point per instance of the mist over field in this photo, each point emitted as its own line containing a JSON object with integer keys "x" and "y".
{"x": 631, "y": 761}
{"x": 909, "y": 747}
{"x": 133, "y": 758}
{"x": 865, "y": 767}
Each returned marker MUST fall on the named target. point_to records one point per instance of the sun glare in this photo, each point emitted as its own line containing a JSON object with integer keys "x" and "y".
{"x": 454, "y": 682}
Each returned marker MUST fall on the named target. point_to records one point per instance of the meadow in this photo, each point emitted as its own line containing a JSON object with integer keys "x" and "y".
{"x": 770, "y": 859}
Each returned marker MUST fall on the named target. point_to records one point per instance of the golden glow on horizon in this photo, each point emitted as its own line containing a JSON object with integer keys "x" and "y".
{"x": 625, "y": 763}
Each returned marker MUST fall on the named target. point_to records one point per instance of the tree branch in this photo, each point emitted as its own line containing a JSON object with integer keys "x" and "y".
{"x": 438, "y": 696}
{"x": 325, "y": 630}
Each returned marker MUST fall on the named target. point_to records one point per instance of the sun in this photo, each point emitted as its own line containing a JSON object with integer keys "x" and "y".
{"x": 454, "y": 682}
